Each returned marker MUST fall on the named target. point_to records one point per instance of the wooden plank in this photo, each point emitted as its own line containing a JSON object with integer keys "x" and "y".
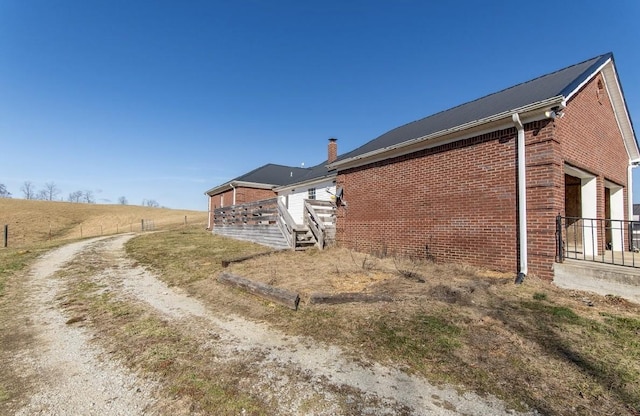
{"x": 227, "y": 262}
{"x": 281, "y": 296}
{"x": 348, "y": 297}
{"x": 247, "y": 205}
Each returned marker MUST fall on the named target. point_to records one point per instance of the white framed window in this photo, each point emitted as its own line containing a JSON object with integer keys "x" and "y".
{"x": 312, "y": 193}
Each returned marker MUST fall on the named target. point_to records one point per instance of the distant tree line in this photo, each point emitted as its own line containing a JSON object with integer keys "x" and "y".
{"x": 50, "y": 192}
{"x": 3, "y": 191}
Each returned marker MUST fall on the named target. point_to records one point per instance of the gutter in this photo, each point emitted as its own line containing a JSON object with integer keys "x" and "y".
{"x": 305, "y": 183}
{"x": 522, "y": 199}
{"x": 229, "y": 185}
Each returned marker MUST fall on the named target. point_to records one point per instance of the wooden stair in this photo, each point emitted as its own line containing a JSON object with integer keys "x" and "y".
{"x": 269, "y": 223}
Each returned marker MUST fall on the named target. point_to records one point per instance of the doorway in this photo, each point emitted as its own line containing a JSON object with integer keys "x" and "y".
{"x": 580, "y": 202}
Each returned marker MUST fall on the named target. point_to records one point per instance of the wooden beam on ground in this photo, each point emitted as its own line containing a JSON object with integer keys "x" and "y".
{"x": 227, "y": 262}
{"x": 281, "y": 296}
{"x": 348, "y": 297}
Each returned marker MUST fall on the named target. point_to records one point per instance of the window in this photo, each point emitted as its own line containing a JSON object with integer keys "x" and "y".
{"x": 312, "y": 193}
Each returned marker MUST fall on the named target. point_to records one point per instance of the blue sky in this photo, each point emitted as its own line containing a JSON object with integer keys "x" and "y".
{"x": 165, "y": 99}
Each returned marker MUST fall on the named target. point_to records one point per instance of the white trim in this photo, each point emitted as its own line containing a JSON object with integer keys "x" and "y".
{"x": 630, "y": 192}
{"x": 230, "y": 185}
{"x": 589, "y": 196}
{"x": 614, "y": 91}
{"x": 616, "y": 213}
{"x": 620, "y": 111}
{"x": 587, "y": 80}
{"x": 305, "y": 183}
{"x": 612, "y": 185}
{"x": 527, "y": 114}
{"x": 522, "y": 196}
{"x": 576, "y": 172}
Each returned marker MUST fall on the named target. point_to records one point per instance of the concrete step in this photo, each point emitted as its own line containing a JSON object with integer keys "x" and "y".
{"x": 604, "y": 279}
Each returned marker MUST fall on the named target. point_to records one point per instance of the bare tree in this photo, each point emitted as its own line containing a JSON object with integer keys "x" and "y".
{"x": 3, "y": 191}
{"x": 51, "y": 190}
{"x": 122, "y": 200}
{"x": 41, "y": 195}
{"x": 28, "y": 190}
{"x": 75, "y": 196}
{"x": 150, "y": 203}
{"x": 87, "y": 197}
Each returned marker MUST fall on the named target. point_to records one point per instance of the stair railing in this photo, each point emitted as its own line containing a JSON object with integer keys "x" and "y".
{"x": 287, "y": 224}
{"x": 315, "y": 223}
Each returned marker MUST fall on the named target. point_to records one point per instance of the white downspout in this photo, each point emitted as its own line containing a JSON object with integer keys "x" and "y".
{"x": 209, "y": 216}
{"x": 632, "y": 164}
{"x": 234, "y": 194}
{"x": 630, "y": 191}
{"x": 522, "y": 199}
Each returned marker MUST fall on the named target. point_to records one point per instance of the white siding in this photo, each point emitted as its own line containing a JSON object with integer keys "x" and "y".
{"x": 324, "y": 192}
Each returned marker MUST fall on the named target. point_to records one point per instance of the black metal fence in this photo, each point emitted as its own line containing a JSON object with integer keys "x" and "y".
{"x": 599, "y": 240}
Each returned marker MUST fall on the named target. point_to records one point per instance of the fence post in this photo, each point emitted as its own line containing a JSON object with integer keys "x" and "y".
{"x": 142, "y": 225}
{"x": 6, "y": 235}
{"x": 185, "y": 220}
{"x": 559, "y": 248}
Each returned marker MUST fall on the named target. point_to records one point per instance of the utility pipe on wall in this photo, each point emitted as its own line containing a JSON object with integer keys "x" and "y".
{"x": 234, "y": 194}
{"x": 522, "y": 199}
{"x": 632, "y": 164}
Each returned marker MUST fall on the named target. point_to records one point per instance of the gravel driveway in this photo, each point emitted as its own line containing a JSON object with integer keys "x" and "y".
{"x": 77, "y": 377}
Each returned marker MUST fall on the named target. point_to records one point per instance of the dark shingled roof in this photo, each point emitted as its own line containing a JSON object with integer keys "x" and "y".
{"x": 270, "y": 175}
{"x": 276, "y": 176}
{"x": 314, "y": 172}
{"x": 559, "y": 83}
{"x": 273, "y": 175}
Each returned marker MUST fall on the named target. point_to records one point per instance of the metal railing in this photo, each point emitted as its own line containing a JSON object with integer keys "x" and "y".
{"x": 598, "y": 240}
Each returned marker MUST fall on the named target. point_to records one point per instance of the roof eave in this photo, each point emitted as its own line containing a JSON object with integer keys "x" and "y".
{"x": 528, "y": 113}
{"x": 235, "y": 184}
{"x": 303, "y": 183}
{"x": 620, "y": 110}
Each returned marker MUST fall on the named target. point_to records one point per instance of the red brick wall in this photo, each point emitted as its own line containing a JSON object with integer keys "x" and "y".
{"x": 252, "y": 194}
{"x": 454, "y": 203}
{"x": 458, "y": 202}
{"x": 545, "y": 196}
{"x": 590, "y": 139}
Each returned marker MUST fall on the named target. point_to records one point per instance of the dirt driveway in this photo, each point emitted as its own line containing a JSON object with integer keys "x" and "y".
{"x": 65, "y": 368}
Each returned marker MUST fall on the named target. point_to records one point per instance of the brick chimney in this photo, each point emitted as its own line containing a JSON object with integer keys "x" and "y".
{"x": 333, "y": 150}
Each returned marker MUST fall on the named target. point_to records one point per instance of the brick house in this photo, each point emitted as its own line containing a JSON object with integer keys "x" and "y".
{"x": 253, "y": 186}
{"x": 292, "y": 185}
{"x": 482, "y": 183}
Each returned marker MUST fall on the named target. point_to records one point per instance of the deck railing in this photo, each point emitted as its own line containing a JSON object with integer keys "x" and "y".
{"x": 251, "y": 213}
{"x": 598, "y": 240}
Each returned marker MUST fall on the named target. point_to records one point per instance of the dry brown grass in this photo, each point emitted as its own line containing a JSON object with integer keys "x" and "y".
{"x": 533, "y": 345}
{"x": 36, "y": 221}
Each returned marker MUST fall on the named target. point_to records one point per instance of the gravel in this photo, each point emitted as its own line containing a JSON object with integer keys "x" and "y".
{"x": 77, "y": 377}
{"x": 72, "y": 376}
